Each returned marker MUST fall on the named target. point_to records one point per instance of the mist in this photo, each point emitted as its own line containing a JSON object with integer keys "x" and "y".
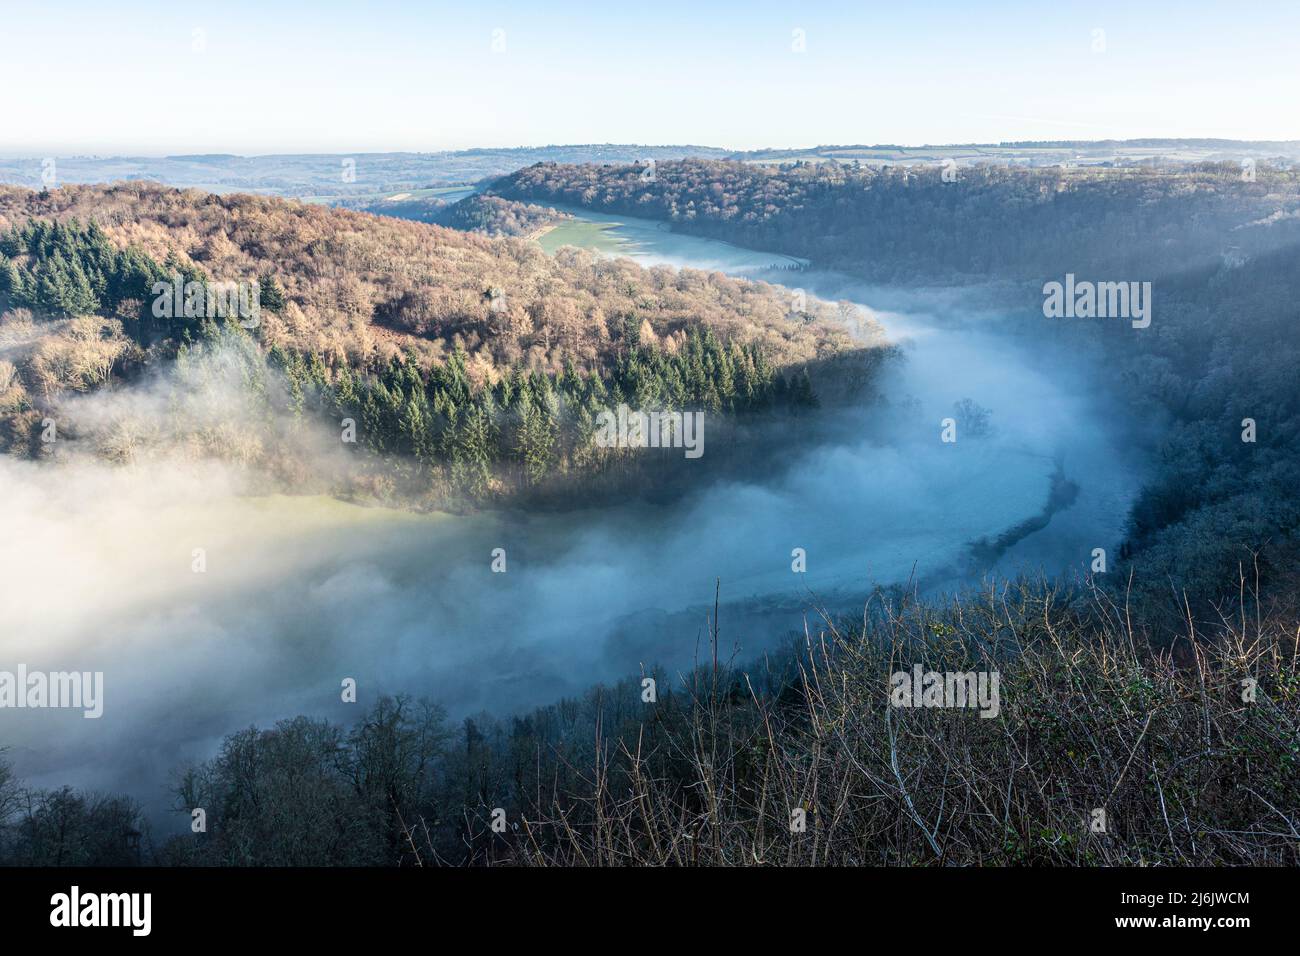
{"x": 296, "y": 593}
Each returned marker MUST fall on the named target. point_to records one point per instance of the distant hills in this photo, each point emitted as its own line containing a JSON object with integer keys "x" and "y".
{"x": 335, "y": 177}
{"x": 325, "y": 176}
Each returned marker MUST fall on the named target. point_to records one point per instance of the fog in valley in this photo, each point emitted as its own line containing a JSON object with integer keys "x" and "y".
{"x": 300, "y": 592}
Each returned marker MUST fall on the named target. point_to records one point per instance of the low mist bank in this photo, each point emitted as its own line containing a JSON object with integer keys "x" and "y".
{"x": 298, "y": 593}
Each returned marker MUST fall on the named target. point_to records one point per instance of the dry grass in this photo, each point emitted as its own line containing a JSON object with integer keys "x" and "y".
{"x": 1092, "y": 717}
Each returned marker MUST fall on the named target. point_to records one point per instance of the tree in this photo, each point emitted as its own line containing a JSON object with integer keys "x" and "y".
{"x": 270, "y": 293}
{"x": 472, "y": 469}
{"x": 536, "y": 442}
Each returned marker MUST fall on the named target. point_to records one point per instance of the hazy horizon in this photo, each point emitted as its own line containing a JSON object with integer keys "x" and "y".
{"x": 774, "y": 147}
{"x": 402, "y": 77}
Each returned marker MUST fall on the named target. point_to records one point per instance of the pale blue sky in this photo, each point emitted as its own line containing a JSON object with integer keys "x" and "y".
{"x": 255, "y": 77}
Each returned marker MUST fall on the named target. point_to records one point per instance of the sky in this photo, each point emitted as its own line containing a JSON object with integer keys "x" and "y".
{"x": 141, "y": 77}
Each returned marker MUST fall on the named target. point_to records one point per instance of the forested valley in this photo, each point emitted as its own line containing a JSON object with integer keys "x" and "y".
{"x": 1221, "y": 245}
{"x": 948, "y": 224}
{"x": 473, "y": 366}
{"x": 472, "y": 372}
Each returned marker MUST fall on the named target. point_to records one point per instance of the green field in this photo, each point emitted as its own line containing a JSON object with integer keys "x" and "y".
{"x": 585, "y": 234}
{"x": 651, "y": 242}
